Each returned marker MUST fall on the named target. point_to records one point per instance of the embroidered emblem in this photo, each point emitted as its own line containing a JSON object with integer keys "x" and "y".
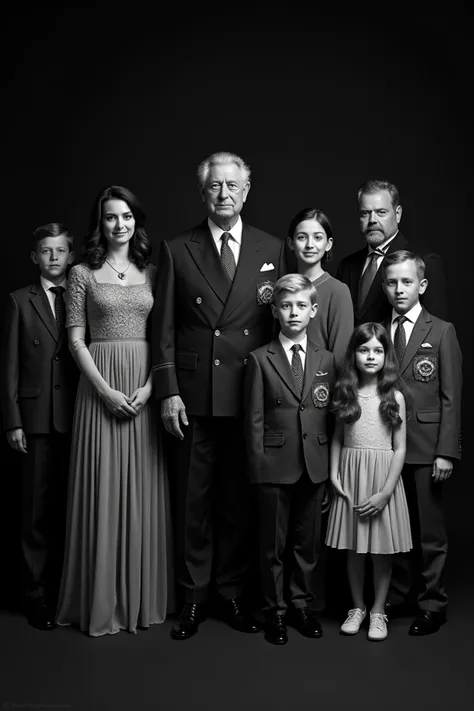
{"x": 424, "y": 368}
{"x": 320, "y": 394}
{"x": 264, "y": 293}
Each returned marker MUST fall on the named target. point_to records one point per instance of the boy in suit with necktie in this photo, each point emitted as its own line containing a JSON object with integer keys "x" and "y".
{"x": 287, "y": 390}
{"x": 430, "y": 363}
{"x": 38, "y": 384}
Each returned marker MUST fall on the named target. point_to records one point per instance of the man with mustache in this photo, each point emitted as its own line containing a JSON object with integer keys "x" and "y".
{"x": 380, "y": 213}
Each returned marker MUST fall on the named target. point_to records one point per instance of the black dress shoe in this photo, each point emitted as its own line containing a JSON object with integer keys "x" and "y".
{"x": 306, "y": 623}
{"x": 426, "y": 622}
{"x": 188, "y": 621}
{"x": 275, "y": 629}
{"x": 393, "y": 610}
{"x": 39, "y": 614}
{"x": 237, "y": 617}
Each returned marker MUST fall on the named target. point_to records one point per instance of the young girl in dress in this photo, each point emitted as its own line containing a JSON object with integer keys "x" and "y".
{"x": 369, "y": 513}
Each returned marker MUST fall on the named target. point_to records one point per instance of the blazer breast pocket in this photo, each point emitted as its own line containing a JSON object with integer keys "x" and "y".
{"x": 275, "y": 439}
{"x": 428, "y": 416}
{"x": 186, "y": 361}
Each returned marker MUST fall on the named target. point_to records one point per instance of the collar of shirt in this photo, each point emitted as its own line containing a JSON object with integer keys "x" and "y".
{"x": 411, "y": 315}
{"x": 217, "y": 232}
{"x": 287, "y": 343}
{"x": 383, "y": 246}
{"x": 46, "y": 284}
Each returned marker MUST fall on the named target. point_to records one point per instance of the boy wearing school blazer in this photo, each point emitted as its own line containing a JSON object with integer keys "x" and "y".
{"x": 430, "y": 363}
{"x": 287, "y": 387}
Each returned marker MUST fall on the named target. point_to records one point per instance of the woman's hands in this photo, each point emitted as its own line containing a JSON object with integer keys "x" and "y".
{"x": 140, "y": 397}
{"x": 372, "y": 506}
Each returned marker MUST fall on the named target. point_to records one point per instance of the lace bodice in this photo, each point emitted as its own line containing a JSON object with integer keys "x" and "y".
{"x": 370, "y": 431}
{"x": 110, "y": 310}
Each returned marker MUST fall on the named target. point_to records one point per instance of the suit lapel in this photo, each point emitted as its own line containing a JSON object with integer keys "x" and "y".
{"x": 313, "y": 359}
{"x": 203, "y": 251}
{"x": 250, "y": 261}
{"x": 40, "y": 303}
{"x": 399, "y": 242}
{"x": 277, "y": 357}
{"x": 419, "y": 334}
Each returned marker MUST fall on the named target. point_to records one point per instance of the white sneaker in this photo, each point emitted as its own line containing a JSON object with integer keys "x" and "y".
{"x": 354, "y": 620}
{"x": 377, "y": 627}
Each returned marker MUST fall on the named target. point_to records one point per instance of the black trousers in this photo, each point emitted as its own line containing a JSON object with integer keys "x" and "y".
{"x": 419, "y": 576}
{"x": 289, "y": 534}
{"x": 44, "y": 472}
{"x": 212, "y": 496}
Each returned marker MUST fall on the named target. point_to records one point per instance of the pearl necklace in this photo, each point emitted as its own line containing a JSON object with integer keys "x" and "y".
{"x": 120, "y": 275}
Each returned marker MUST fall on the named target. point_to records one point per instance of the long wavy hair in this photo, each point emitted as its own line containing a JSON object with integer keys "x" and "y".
{"x": 345, "y": 404}
{"x": 94, "y": 249}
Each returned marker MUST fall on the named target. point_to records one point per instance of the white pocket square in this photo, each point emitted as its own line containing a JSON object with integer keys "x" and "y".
{"x": 320, "y": 373}
{"x": 426, "y": 345}
{"x": 267, "y": 267}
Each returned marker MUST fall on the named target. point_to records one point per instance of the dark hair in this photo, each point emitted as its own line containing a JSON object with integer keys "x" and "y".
{"x": 345, "y": 404}
{"x": 52, "y": 229}
{"x": 403, "y": 255}
{"x": 95, "y": 245}
{"x": 375, "y": 186}
{"x": 312, "y": 213}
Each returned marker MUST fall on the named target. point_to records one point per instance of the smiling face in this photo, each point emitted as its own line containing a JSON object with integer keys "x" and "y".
{"x": 378, "y": 218}
{"x": 53, "y": 256}
{"x": 224, "y": 193}
{"x": 403, "y": 286}
{"x": 370, "y": 357}
{"x": 117, "y": 222}
{"x": 310, "y": 242}
{"x": 294, "y": 312}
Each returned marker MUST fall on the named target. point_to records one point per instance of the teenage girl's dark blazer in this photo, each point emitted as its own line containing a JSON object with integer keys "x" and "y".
{"x": 203, "y": 327}
{"x": 431, "y": 367}
{"x": 376, "y": 306}
{"x": 285, "y": 433}
{"x": 38, "y": 374}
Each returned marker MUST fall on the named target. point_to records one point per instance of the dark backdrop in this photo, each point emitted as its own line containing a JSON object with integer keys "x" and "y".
{"x": 317, "y": 101}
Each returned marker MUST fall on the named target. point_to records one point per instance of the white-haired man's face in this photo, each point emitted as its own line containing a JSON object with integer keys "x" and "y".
{"x": 378, "y": 218}
{"x": 224, "y": 193}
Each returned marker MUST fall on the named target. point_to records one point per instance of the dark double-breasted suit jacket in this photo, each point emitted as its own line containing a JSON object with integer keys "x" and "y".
{"x": 203, "y": 327}
{"x": 286, "y": 433}
{"x": 376, "y": 306}
{"x": 39, "y": 376}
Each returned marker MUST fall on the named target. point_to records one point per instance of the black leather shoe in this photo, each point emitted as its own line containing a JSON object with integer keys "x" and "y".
{"x": 306, "y": 623}
{"x": 426, "y": 622}
{"x": 393, "y": 610}
{"x": 188, "y": 621}
{"x": 238, "y": 618}
{"x": 39, "y": 614}
{"x": 275, "y": 629}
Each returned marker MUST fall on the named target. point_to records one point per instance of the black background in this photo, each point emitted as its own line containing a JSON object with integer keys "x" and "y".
{"x": 316, "y": 100}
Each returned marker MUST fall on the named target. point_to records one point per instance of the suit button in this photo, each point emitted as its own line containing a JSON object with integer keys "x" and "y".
{"x": 279, "y": 401}
{"x": 37, "y": 342}
{"x": 217, "y": 361}
{"x": 56, "y": 387}
{"x": 56, "y": 357}
{"x": 198, "y": 300}
{"x": 217, "y": 332}
{"x": 246, "y": 332}
{"x": 304, "y": 435}
{"x": 301, "y": 407}
{"x": 245, "y": 361}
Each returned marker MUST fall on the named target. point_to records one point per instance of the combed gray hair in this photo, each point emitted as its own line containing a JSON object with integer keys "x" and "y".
{"x": 221, "y": 158}
{"x": 375, "y": 186}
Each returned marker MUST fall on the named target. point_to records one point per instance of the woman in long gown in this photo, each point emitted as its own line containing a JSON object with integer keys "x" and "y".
{"x": 117, "y": 572}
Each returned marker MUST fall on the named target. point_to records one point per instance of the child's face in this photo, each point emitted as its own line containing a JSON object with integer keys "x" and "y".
{"x": 403, "y": 286}
{"x": 370, "y": 357}
{"x": 294, "y": 312}
{"x": 53, "y": 256}
{"x": 310, "y": 242}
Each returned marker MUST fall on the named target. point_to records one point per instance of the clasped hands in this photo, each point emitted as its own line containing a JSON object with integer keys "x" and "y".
{"x": 122, "y": 405}
{"x": 368, "y": 508}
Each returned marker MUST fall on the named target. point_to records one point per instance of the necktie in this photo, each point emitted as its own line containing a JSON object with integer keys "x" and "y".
{"x": 227, "y": 256}
{"x": 297, "y": 367}
{"x": 368, "y": 276}
{"x": 400, "y": 338}
{"x": 59, "y": 306}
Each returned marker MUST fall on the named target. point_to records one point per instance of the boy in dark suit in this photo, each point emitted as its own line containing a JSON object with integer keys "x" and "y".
{"x": 430, "y": 363}
{"x": 287, "y": 386}
{"x": 38, "y": 384}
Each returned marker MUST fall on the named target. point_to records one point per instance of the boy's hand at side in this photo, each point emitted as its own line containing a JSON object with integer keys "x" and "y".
{"x": 372, "y": 506}
{"x": 442, "y": 469}
{"x": 17, "y": 440}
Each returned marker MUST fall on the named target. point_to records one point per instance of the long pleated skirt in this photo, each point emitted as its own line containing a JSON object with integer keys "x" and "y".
{"x": 117, "y": 572}
{"x": 363, "y": 472}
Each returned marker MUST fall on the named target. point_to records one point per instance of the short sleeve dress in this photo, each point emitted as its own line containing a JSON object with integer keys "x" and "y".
{"x": 117, "y": 560}
{"x": 363, "y": 469}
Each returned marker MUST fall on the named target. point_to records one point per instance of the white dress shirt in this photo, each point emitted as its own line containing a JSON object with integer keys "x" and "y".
{"x": 236, "y": 234}
{"x": 46, "y": 284}
{"x": 409, "y": 325}
{"x": 287, "y": 344}
{"x": 383, "y": 247}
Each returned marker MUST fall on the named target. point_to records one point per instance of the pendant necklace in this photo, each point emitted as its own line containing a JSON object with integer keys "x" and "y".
{"x": 120, "y": 275}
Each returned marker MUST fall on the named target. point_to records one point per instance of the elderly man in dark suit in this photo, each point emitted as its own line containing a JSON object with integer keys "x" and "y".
{"x": 212, "y": 308}
{"x": 380, "y": 213}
